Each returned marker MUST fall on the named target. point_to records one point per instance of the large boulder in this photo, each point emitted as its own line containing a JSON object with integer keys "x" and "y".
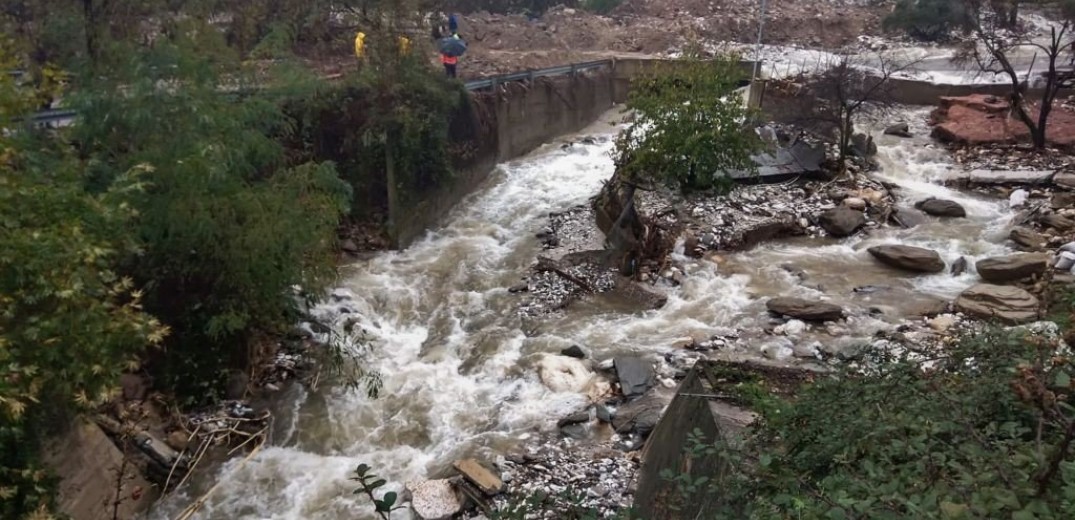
{"x": 941, "y": 208}
{"x": 841, "y": 222}
{"x": 806, "y": 310}
{"x": 1012, "y": 268}
{"x": 1005, "y": 303}
{"x": 908, "y": 258}
{"x": 636, "y": 375}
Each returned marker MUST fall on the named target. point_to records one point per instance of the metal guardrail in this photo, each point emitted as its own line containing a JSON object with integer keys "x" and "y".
{"x": 530, "y": 75}
{"x": 59, "y": 116}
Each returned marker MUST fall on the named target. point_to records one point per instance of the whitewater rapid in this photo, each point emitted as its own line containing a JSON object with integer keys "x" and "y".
{"x": 457, "y": 362}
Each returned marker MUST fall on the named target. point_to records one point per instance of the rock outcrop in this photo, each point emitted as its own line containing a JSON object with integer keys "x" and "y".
{"x": 806, "y": 310}
{"x": 909, "y": 258}
{"x": 1028, "y": 239}
{"x": 1007, "y": 304}
{"x": 1012, "y": 268}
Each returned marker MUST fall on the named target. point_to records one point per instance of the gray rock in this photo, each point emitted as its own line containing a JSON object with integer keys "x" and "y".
{"x": 603, "y": 413}
{"x": 959, "y": 266}
{"x": 941, "y": 208}
{"x": 806, "y": 310}
{"x": 519, "y": 288}
{"x": 908, "y": 218}
{"x": 1065, "y": 180}
{"x": 1012, "y": 268}
{"x": 1062, "y": 200}
{"x": 574, "y": 431}
{"x": 636, "y": 375}
{"x": 908, "y": 258}
{"x": 899, "y": 130}
{"x": 1010, "y": 305}
{"x": 641, "y": 416}
{"x": 1028, "y": 238}
{"x": 1065, "y": 261}
{"x": 575, "y": 418}
{"x": 841, "y": 222}
{"x": 574, "y": 351}
{"x": 349, "y": 246}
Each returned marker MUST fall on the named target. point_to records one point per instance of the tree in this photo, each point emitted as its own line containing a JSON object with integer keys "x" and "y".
{"x": 842, "y": 91}
{"x": 70, "y": 321}
{"x": 995, "y": 46}
{"x": 689, "y": 127}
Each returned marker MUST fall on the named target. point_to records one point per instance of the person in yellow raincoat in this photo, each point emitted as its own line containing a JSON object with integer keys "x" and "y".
{"x": 360, "y": 45}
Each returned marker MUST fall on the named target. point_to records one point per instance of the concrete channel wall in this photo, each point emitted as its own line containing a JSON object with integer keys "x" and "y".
{"x": 513, "y": 119}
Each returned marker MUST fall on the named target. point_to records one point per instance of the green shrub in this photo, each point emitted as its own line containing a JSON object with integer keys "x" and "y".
{"x": 981, "y": 432}
{"x": 689, "y": 128}
{"x": 601, "y": 6}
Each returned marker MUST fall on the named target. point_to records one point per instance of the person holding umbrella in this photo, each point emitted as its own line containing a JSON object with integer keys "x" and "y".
{"x": 451, "y": 48}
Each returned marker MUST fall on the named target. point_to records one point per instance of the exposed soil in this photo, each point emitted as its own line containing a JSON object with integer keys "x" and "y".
{"x": 983, "y": 120}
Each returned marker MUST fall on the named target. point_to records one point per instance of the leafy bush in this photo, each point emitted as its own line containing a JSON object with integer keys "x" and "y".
{"x": 689, "y": 128}
{"x": 984, "y": 431}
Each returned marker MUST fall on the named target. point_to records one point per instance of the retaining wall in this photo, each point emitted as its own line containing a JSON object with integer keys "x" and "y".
{"x": 514, "y": 119}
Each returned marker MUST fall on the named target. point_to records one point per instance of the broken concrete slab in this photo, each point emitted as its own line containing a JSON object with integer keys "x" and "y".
{"x": 782, "y": 164}
{"x": 1001, "y": 177}
{"x": 478, "y": 475}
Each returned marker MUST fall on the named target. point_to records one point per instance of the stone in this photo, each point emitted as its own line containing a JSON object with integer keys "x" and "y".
{"x": 575, "y": 418}
{"x": 434, "y": 499}
{"x": 855, "y": 203}
{"x": 1018, "y": 198}
{"x": 134, "y": 387}
{"x": 636, "y": 376}
{"x": 806, "y": 310}
{"x": 1028, "y": 238}
{"x": 841, "y": 222}
{"x": 942, "y": 323}
{"x": 1000, "y": 177}
{"x": 1012, "y": 268}
{"x": 1065, "y": 261}
{"x": 908, "y": 218}
{"x": 1065, "y": 180}
{"x": 477, "y": 474}
{"x": 574, "y": 351}
{"x": 519, "y": 288}
{"x": 959, "y": 266}
{"x": 641, "y": 415}
{"x": 941, "y": 208}
{"x": 564, "y": 374}
{"x": 863, "y": 145}
{"x": 603, "y": 413}
{"x": 574, "y": 431}
{"x": 929, "y": 308}
{"x": 794, "y": 328}
{"x": 349, "y": 246}
{"x": 899, "y": 130}
{"x": 1062, "y": 200}
{"x": 178, "y": 440}
{"x": 1057, "y": 222}
{"x": 1007, "y": 304}
{"x": 908, "y": 258}
{"x": 1068, "y": 247}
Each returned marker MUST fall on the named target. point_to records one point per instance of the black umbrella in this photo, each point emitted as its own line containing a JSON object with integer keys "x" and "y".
{"x": 452, "y": 46}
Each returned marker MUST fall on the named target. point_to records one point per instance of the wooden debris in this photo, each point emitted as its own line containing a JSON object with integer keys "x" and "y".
{"x": 486, "y": 481}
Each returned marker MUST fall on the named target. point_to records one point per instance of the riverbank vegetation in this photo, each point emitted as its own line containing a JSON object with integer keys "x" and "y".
{"x": 192, "y": 205}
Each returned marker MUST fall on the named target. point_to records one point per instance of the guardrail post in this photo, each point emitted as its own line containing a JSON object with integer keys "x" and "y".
{"x": 574, "y": 70}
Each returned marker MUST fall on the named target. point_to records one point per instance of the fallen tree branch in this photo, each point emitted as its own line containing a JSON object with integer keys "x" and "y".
{"x": 548, "y": 265}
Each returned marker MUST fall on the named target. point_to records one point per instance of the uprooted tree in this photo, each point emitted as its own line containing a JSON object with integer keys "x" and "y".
{"x": 690, "y": 130}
